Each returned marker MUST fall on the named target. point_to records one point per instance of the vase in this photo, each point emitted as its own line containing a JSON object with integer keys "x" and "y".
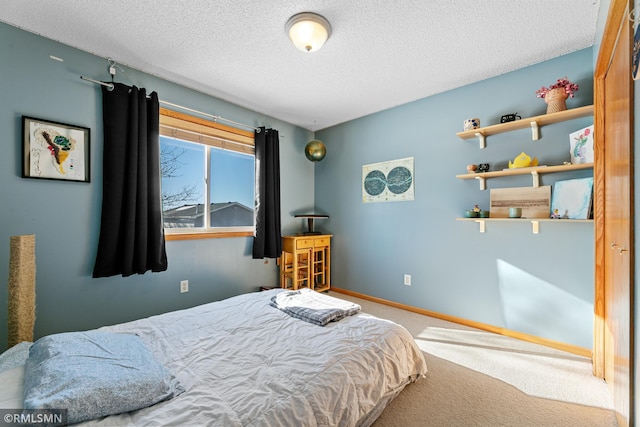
{"x": 556, "y": 100}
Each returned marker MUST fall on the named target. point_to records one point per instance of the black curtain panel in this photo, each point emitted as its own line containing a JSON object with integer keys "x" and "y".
{"x": 267, "y": 241}
{"x": 131, "y": 228}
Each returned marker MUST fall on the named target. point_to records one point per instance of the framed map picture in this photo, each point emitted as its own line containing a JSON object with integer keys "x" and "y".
{"x": 52, "y": 150}
{"x": 391, "y": 181}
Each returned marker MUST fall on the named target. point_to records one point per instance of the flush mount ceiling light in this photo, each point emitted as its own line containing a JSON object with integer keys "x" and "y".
{"x": 308, "y": 31}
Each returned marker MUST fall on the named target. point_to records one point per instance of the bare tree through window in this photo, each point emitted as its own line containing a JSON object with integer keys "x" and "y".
{"x": 170, "y": 165}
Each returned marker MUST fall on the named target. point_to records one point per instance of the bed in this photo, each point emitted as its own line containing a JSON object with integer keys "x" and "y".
{"x": 245, "y": 362}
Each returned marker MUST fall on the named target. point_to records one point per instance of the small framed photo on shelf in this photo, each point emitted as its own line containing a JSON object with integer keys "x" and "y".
{"x": 581, "y": 145}
{"x": 572, "y": 199}
{"x": 53, "y": 150}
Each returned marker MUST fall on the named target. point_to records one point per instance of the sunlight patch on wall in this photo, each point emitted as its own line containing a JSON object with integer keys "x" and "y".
{"x": 536, "y": 307}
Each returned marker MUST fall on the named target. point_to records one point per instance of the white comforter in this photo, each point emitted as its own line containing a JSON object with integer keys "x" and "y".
{"x": 246, "y": 363}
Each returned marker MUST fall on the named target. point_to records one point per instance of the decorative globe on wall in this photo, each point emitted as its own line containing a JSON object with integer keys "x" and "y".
{"x": 315, "y": 150}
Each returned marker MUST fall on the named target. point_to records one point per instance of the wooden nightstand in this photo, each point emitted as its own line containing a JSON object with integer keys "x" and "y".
{"x": 306, "y": 262}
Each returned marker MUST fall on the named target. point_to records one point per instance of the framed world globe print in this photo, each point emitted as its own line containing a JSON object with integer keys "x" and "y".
{"x": 390, "y": 181}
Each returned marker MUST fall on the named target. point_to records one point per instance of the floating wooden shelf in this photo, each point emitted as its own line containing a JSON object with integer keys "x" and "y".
{"x": 534, "y": 122}
{"x": 535, "y": 222}
{"x": 535, "y": 172}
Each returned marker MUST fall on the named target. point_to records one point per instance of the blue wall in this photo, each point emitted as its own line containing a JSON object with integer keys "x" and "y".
{"x": 65, "y": 216}
{"x": 537, "y": 284}
{"x": 455, "y": 269}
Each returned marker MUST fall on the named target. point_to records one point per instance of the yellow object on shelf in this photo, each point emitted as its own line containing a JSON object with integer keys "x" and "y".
{"x": 523, "y": 161}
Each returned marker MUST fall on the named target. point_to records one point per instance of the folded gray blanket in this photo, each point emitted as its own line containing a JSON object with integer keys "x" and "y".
{"x": 313, "y": 307}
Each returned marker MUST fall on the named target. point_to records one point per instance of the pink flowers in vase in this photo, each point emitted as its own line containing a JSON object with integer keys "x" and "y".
{"x": 564, "y": 83}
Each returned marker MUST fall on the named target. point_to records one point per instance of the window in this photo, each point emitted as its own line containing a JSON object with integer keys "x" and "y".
{"x": 207, "y": 178}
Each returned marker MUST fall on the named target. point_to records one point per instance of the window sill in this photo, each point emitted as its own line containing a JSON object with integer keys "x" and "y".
{"x": 207, "y": 235}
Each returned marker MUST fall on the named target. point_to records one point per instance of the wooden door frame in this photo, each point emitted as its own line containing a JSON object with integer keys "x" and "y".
{"x": 614, "y": 333}
{"x": 617, "y": 13}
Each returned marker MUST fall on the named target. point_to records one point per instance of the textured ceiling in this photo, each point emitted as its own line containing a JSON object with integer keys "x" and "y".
{"x": 382, "y": 53}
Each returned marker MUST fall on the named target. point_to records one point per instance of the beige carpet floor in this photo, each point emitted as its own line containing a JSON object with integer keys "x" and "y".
{"x": 478, "y": 378}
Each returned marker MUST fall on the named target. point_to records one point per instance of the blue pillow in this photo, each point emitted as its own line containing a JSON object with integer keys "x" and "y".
{"x": 15, "y": 356}
{"x": 94, "y": 374}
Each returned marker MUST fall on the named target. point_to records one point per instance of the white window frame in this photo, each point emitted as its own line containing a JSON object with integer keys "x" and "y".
{"x": 210, "y": 134}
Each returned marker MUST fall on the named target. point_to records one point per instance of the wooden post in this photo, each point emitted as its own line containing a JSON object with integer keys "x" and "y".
{"x": 22, "y": 289}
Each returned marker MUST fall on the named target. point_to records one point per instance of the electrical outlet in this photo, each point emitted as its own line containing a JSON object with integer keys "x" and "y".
{"x": 184, "y": 286}
{"x": 407, "y": 280}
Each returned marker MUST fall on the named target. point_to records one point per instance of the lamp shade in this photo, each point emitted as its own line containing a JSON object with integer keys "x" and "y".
{"x": 315, "y": 150}
{"x": 308, "y": 31}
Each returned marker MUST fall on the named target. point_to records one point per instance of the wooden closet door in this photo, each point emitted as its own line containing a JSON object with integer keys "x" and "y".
{"x": 614, "y": 206}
